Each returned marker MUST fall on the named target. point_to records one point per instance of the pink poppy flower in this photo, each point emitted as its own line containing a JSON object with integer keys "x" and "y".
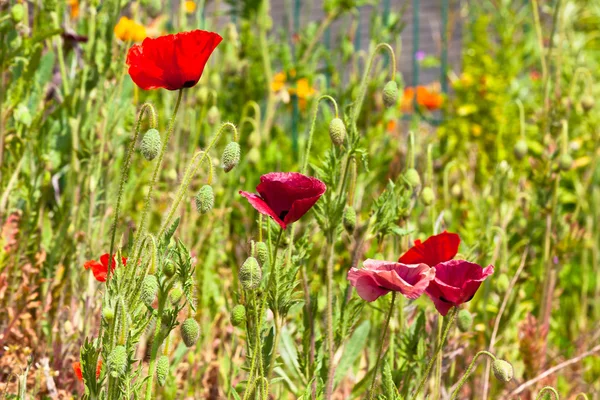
{"x": 455, "y": 283}
{"x": 100, "y": 269}
{"x": 377, "y": 278}
{"x": 285, "y": 196}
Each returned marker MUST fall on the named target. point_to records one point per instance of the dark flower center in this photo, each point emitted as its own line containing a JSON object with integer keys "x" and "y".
{"x": 444, "y": 300}
{"x": 189, "y": 84}
{"x": 283, "y": 214}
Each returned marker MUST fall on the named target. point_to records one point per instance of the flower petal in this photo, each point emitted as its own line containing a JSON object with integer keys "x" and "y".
{"x": 262, "y": 207}
{"x": 434, "y": 250}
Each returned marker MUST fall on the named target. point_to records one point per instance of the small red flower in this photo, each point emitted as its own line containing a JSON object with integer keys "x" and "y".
{"x": 79, "y": 373}
{"x": 455, "y": 283}
{"x": 378, "y": 278}
{"x": 100, "y": 269}
{"x": 436, "y": 249}
{"x": 285, "y": 196}
{"x": 172, "y": 61}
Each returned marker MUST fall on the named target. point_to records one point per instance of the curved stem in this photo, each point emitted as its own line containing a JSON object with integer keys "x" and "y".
{"x": 547, "y": 389}
{"x": 312, "y": 128}
{"x": 468, "y": 371}
{"x": 381, "y": 344}
{"x": 452, "y": 316}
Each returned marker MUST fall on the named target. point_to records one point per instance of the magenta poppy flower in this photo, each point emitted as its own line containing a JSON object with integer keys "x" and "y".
{"x": 285, "y": 196}
{"x": 377, "y": 278}
{"x": 434, "y": 250}
{"x": 455, "y": 283}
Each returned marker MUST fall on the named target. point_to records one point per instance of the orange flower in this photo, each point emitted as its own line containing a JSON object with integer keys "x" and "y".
{"x": 74, "y": 4}
{"x": 302, "y": 87}
{"x": 425, "y": 98}
{"x": 129, "y": 30}
{"x": 79, "y": 373}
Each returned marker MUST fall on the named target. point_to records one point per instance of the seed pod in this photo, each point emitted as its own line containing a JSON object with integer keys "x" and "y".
{"x": 108, "y": 313}
{"x": 176, "y": 294}
{"x": 587, "y": 103}
{"x": 231, "y": 156}
{"x": 162, "y": 370}
{"x": 427, "y": 196}
{"x": 503, "y": 371}
{"x": 205, "y": 199}
{"x": 412, "y": 177}
{"x": 464, "y": 320}
{"x": 151, "y": 144}
{"x": 262, "y": 253}
{"x": 565, "y": 162}
{"x": 390, "y": 94}
{"x": 349, "y": 219}
{"x": 190, "y": 332}
{"x": 117, "y": 361}
{"x": 250, "y": 274}
{"x": 238, "y": 315}
{"x": 169, "y": 269}
{"x": 520, "y": 149}
{"x": 149, "y": 290}
{"x": 337, "y": 131}
{"x": 17, "y": 12}
{"x": 213, "y": 115}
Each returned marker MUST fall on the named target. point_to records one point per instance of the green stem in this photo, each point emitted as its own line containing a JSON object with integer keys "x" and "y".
{"x": 312, "y": 128}
{"x": 155, "y": 347}
{"x": 468, "y": 371}
{"x": 381, "y": 344}
{"x": 547, "y": 389}
{"x": 330, "y": 338}
{"x": 451, "y": 318}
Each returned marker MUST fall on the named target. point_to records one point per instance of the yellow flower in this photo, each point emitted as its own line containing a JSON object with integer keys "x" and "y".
{"x": 301, "y": 88}
{"x": 190, "y": 6}
{"x": 74, "y": 4}
{"x": 278, "y": 82}
{"x": 129, "y": 30}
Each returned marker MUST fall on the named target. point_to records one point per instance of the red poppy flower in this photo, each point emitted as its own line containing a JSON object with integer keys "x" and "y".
{"x": 455, "y": 283}
{"x": 79, "y": 373}
{"x": 285, "y": 196}
{"x": 100, "y": 269}
{"x": 378, "y": 278}
{"x": 172, "y": 61}
{"x": 436, "y": 249}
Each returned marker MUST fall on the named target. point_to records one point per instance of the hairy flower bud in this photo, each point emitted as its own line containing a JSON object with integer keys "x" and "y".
{"x": 231, "y": 156}
{"x": 213, "y": 115}
{"x": 250, "y": 274}
{"x": 503, "y": 371}
{"x": 464, "y": 320}
{"x": 520, "y": 149}
{"x": 238, "y": 315}
{"x": 412, "y": 177}
{"x": 149, "y": 290}
{"x": 162, "y": 370}
{"x": 203, "y": 95}
{"x": 565, "y": 162}
{"x": 502, "y": 283}
{"x": 108, "y": 313}
{"x": 390, "y": 94}
{"x": 176, "y": 294}
{"x": 151, "y": 144}
{"x": 427, "y": 196}
{"x": 337, "y": 131}
{"x": 169, "y": 269}
{"x": 190, "y": 332}
{"x": 349, "y": 219}
{"x": 587, "y": 103}
{"x": 261, "y": 253}
{"x": 117, "y": 361}
{"x": 17, "y": 12}
{"x": 205, "y": 199}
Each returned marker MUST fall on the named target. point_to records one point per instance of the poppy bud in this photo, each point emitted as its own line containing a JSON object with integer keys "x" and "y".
{"x": 205, "y": 199}
{"x": 17, "y": 12}
{"x": 262, "y": 253}
{"x": 231, "y": 33}
{"x": 503, "y": 371}
{"x": 427, "y": 196}
{"x": 231, "y": 156}
{"x": 176, "y": 294}
{"x": 587, "y": 103}
{"x": 502, "y": 283}
{"x": 190, "y": 332}
{"x": 390, "y": 93}
{"x": 253, "y": 156}
{"x": 151, "y": 144}
{"x": 520, "y": 149}
{"x": 464, "y": 320}
{"x": 250, "y": 274}
{"x": 412, "y": 177}
{"x": 238, "y": 315}
{"x": 169, "y": 269}
{"x": 456, "y": 190}
{"x": 108, "y": 313}
{"x": 349, "y": 219}
{"x": 149, "y": 290}
{"x": 203, "y": 95}
{"x": 565, "y": 162}
{"x": 213, "y": 115}
{"x": 337, "y": 131}
{"x": 162, "y": 370}
{"x": 117, "y": 361}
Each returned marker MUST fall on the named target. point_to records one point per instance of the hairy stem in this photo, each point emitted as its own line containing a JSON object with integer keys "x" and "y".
{"x": 381, "y": 344}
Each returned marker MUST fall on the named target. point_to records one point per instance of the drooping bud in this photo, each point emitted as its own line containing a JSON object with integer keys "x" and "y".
{"x": 176, "y": 294}
{"x": 349, "y": 219}
{"x": 337, "y": 131}
{"x": 390, "y": 94}
{"x": 205, "y": 199}
{"x": 238, "y": 315}
{"x": 117, "y": 361}
{"x": 213, "y": 115}
{"x": 261, "y": 253}
{"x": 464, "y": 320}
{"x": 169, "y": 269}
{"x": 520, "y": 149}
{"x": 250, "y": 274}
{"x": 108, "y": 313}
{"x": 456, "y": 190}
{"x": 412, "y": 177}
{"x": 231, "y": 156}
{"x": 565, "y": 162}
{"x": 151, "y": 144}
{"x": 587, "y": 103}
{"x": 427, "y": 196}
{"x": 503, "y": 371}
{"x": 162, "y": 370}
{"x": 149, "y": 290}
{"x": 190, "y": 332}
{"x": 17, "y": 12}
